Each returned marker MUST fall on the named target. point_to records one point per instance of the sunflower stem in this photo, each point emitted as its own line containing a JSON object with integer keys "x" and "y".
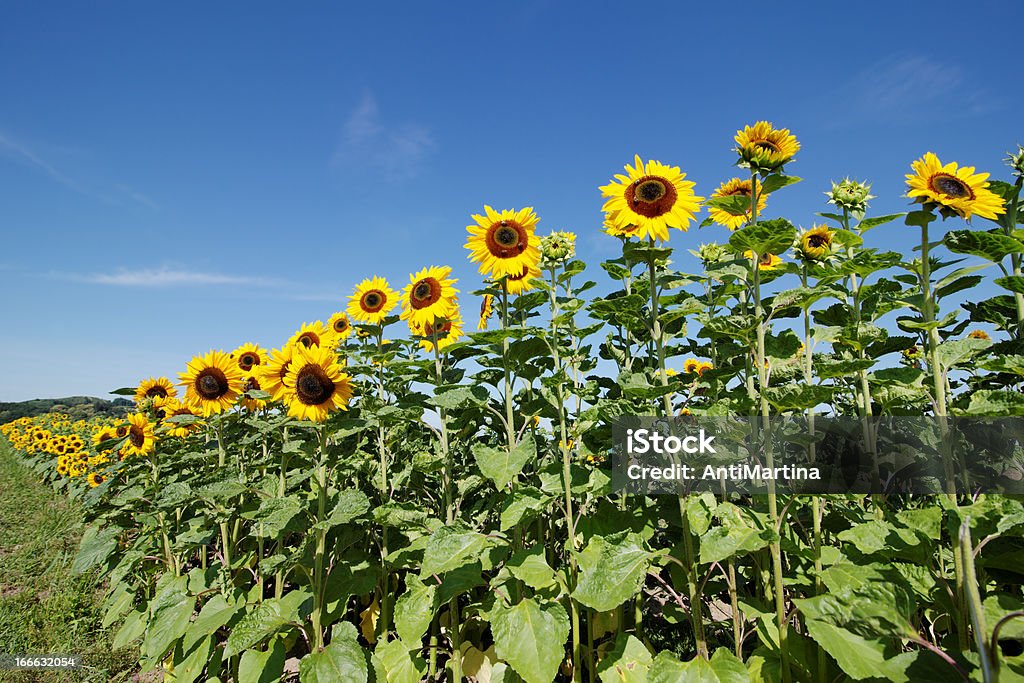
{"x": 321, "y": 543}
{"x": 773, "y": 510}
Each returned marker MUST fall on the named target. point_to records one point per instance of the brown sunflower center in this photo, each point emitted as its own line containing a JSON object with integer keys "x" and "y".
{"x": 767, "y": 146}
{"x": 122, "y": 432}
{"x": 157, "y": 391}
{"x": 507, "y": 239}
{"x": 951, "y": 186}
{"x": 425, "y": 293}
{"x": 340, "y": 325}
{"x": 313, "y": 387}
{"x": 526, "y": 271}
{"x": 816, "y": 241}
{"x": 765, "y": 259}
{"x": 252, "y": 384}
{"x": 247, "y": 360}
{"x": 136, "y": 436}
{"x": 439, "y": 330}
{"x": 211, "y": 384}
{"x": 741, "y": 190}
{"x": 372, "y": 301}
{"x": 651, "y": 196}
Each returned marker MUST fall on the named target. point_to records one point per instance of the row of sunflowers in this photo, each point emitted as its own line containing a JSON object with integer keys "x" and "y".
{"x": 365, "y": 504}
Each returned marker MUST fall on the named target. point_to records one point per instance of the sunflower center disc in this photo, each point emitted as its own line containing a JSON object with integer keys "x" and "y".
{"x": 506, "y": 237}
{"x": 211, "y": 387}
{"x": 816, "y": 241}
{"x": 766, "y": 259}
{"x": 372, "y": 301}
{"x": 651, "y": 196}
{"x": 313, "y": 387}
{"x": 767, "y": 145}
{"x": 950, "y": 186}
{"x": 136, "y": 437}
{"x": 157, "y": 391}
{"x": 425, "y": 292}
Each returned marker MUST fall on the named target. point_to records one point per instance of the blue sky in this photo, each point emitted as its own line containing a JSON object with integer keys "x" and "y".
{"x": 187, "y": 176}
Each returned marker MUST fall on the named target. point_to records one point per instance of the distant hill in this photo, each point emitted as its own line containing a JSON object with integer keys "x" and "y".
{"x": 78, "y": 407}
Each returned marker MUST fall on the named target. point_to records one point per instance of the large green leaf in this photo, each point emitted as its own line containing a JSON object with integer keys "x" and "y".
{"x": 860, "y": 658}
{"x": 738, "y": 533}
{"x": 612, "y": 570}
{"x": 396, "y": 662}
{"x": 502, "y": 465}
{"x": 531, "y": 638}
{"x": 274, "y": 514}
{"x": 987, "y": 245}
{"x": 415, "y": 609}
{"x": 1013, "y": 283}
{"x": 627, "y": 662}
{"x": 996, "y": 402}
{"x": 342, "y": 660}
{"x": 170, "y": 616}
{"x": 723, "y": 667}
{"x": 766, "y": 237}
{"x": 351, "y": 504}
{"x": 96, "y": 546}
{"x": 451, "y": 547}
{"x": 531, "y": 567}
{"x": 260, "y": 622}
{"x": 262, "y": 667}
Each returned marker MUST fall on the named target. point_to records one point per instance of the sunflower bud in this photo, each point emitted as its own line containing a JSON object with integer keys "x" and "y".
{"x": 850, "y": 194}
{"x": 1016, "y": 161}
{"x": 557, "y": 248}
{"x": 711, "y": 253}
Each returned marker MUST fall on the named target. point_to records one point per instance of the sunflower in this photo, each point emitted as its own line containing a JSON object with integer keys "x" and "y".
{"x": 703, "y": 367}
{"x": 448, "y": 332}
{"x": 315, "y": 334}
{"x": 430, "y": 294}
{"x": 653, "y": 197}
{"x": 213, "y": 383}
{"x": 252, "y": 383}
{"x": 816, "y": 243}
{"x": 340, "y": 325}
{"x": 95, "y": 479}
{"x": 620, "y": 231}
{"x": 691, "y": 365}
{"x": 372, "y": 301}
{"x": 732, "y": 188}
{"x": 176, "y": 428}
{"x": 486, "y": 311}
{"x": 504, "y": 243}
{"x": 316, "y": 385}
{"x": 248, "y": 355}
{"x": 271, "y": 375}
{"x": 517, "y": 284}
{"x": 140, "y": 436}
{"x": 763, "y": 147}
{"x": 155, "y": 387}
{"x": 765, "y": 261}
{"x": 956, "y": 191}
{"x": 913, "y": 355}
{"x": 980, "y": 334}
{"x": 103, "y": 434}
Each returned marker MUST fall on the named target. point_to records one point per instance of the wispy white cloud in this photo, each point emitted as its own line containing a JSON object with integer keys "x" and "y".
{"x": 396, "y": 149}
{"x": 899, "y": 87}
{"x": 137, "y": 196}
{"x": 171, "y": 277}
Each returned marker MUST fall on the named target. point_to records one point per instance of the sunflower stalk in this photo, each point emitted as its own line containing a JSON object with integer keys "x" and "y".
{"x": 773, "y": 510}
{"x": 693, "y": 591}
{"x": 385, "y": 594}
{"x": 319, "y": 579}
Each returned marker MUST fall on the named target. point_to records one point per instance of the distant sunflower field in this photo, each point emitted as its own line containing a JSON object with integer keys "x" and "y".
{"x": 375, "y": 500}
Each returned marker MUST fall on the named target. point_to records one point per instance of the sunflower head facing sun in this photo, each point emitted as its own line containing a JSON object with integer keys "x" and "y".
{"x": 316, "y": 384}
{"x": 372, "y": 301}
{"x": 212, "y": 383}
{"x": 504, "y": 243}
{"x": 732, "y": 188}
{"x": 178, "y": 429}
{"x": 340, "y": 325}
{"x": 816, "y": 244}
{"x": 765, "y": 261}
{"x": 650, "y": 199}
{"x": 447, "y": 331}
{"x": 140, "y": 436}
{"x": 764, "y": 148}
{"x": 314, "y": 334}
{"x": 954, "y": 190}
{"x": 430, "y": 294}
{"x": 155, "y": 387}
{"x": 247, "y": 356}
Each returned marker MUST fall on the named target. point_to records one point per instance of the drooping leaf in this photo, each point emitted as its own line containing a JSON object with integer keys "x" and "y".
{"x": 531, "y": 637}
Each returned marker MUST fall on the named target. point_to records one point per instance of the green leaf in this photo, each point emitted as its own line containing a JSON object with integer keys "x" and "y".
{"x": 723, "y": 667}
{"x": 858, "y": 657}
{"x": 396, "y": 662}
{"x": 96, "y": 546}
{"x": 451, "y": 547}
{"x": 768, "y": 237}
{"x": 262, "y": 667}
{"x": 523, "y": 503}
{"x": 627, "y": 662}
{"x": 734, "y": 205}
{"x": 869, "y": 223}
{"x": 996, "y": 402}
{"x": 777, "y": 181}
{"x": 415, "y": 609}
{"x": 260, "y": 622}
{"x": 919, "y": 218}
{"x": 170, "y": 616}
{"x": 502, "y": 465}
{"x": 737, "y": 534}
{"x": 274, "y": 514}
{"x": 342, "y": 660}
{"x": 352, "y": 503}
{"x": 951, "y": 353}
{"x": 987, "y": 245}
{"x": 612, "y": 570}
{"x": 531, "y": 567}
{"x": 798, "y": 396}
{"x": 132, "y": 629}
{"x": 215, "y": 613}
{"x": 531, "y": 638}
{"x": 1013, "y": 283}
{"x": 457, "y": 397}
